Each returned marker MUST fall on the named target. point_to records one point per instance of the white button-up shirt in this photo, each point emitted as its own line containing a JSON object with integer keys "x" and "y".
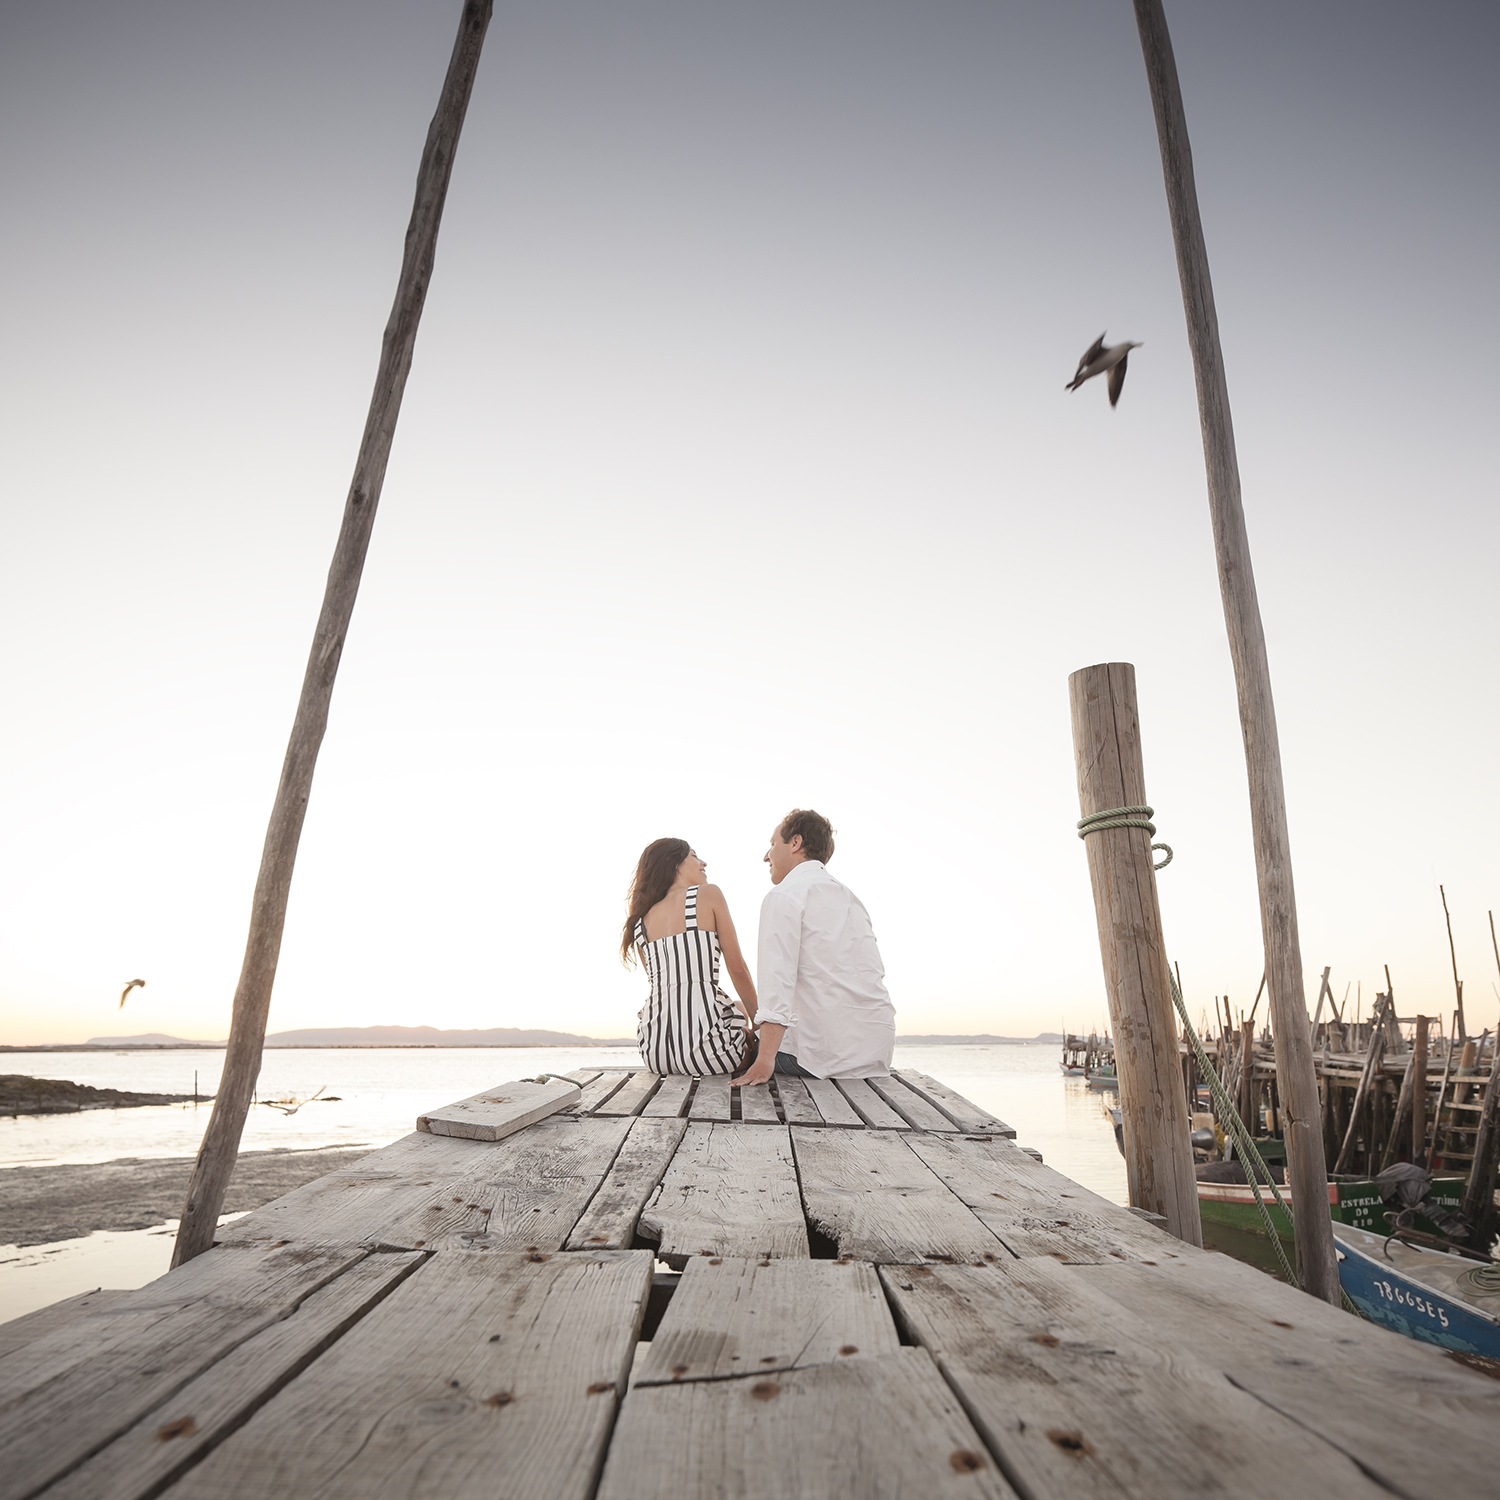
{"x": 819, "y": 974}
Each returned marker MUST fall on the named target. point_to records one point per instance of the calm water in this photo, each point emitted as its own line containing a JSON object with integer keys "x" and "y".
{"x": 380, "y": 1092}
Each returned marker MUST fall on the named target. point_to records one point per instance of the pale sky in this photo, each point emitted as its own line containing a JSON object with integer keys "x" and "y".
{"x": 735, "y": 473}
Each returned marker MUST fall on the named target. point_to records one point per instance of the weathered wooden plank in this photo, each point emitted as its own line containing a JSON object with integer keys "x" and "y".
{"x": 880, "y": 1202}
{"x": 583, "y": 1076}
{"x": 909, "y": 1104}
{"x": 500, "y": 1111}
{"x": 526, "y": 1192}
{"x": 30, "y": 1327}
{"x": 170, "y": 1439}
{"x": 757, "y": 1106}
{"x": 76, "y": 1389}
{"x": 745, "y": 1317}
{"x": 796, "y": 1103}
{"x": 710, "y": 1100}
{"x": 1034, "y": 1210}
{"x": 1078, "y": 1397}
{"x": 968, "y": 1117}
{"x": 479, "y": 1375}
{"x": 595, "y": 1093}
{"x": 860, "y": 1429}
{"x": 834, "y": 1108}
{"x": 667, "y": 1102}
{"x": 631, "y": 1097}
{"x": 869, "y": 1106}
{"x": 1363, "y": 1388}
{"x": 608, "y": 1223}
{"x": 730, "y": 1190}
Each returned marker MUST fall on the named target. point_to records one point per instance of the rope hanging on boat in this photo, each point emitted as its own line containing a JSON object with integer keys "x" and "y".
{"x": 1124, "y": 817}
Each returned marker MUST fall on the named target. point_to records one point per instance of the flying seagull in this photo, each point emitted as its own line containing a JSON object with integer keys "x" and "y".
{"x": 125, "y": 993}
{"x": 1097, "y": 359}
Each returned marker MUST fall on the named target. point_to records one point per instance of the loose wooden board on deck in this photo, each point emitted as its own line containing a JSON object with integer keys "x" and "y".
{"x": 731, "y": 1190}
{"x": 796, "y": 1103}
{"x": 608, "y": 1223}
{"x": 744, "y": 1317}
{"x": 909, "y": 1104}
{"x": 630, "y": 1098}
{"x": 710, "y": 1099}
{"x": 881, "y": 1202}
{"x": 870, "y": 1107}
{"x": 1080, "y": 1398}
{"x": 832, "y": 1105}
{"x": 500, "y": 1111}
{"x": 964, "y": 1114}
{"x": 669, "y": 1099}
{"x": 757, "y": 1106}
{"x": 859, "y": 1429}
{"x": 480, "y": 1375}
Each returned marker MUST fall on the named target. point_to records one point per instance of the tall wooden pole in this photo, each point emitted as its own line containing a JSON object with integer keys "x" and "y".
{"x": 1153, "y": 1108}
{"x": 252, "y": 996}
{"x": 1307, "y": 1169}
{"x": 1458, "y": 984}
{"x": 1419, "y": 1093}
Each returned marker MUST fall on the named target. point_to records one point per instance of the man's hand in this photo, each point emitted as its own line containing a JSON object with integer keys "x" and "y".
{"x": 759, "y": 1072}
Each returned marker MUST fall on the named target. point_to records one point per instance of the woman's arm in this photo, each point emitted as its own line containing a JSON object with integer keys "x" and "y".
{"x": 729, "y": 946}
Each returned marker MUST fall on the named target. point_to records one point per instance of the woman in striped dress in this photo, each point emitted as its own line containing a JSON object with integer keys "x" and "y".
{"x": 679, "y": 926}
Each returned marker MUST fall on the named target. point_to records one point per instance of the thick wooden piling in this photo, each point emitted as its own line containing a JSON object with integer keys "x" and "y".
{"x": 1419, "y": 1093}
{"x": 1153, "y": 1109}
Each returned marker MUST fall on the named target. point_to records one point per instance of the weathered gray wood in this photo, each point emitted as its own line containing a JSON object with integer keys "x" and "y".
{"x": 832, "y": 1105}
{"x": 744, "y": 1317}
{"x": 252, "y": 996}
{"x": 730, "y": 1190}
{"x": 909, "y": 1104}
{"x": 608, "y": 1223}
{"x": 966, "y": 1115}
{"x": 1153, "y": 1106}
{"x": 880, "y": 1202}
{"x": 583, "y": 1076}
{"x": 170, "y": 1439}
{"x": 30, "y": 1327}
{"x": 631, "y": 1097}
{"x": 860, "y": 1429}
{"x": 595, "y": 1093}
{"x": 500, "y": 1111}
{"x": 757, "y": 1106}
{"x": 525, "y": 1192}
{"x": 1363, "y": 1388}
{"x": 1034, "y": 1210}
{"x": 668, "y": 1101}
{"x": 1368, "y": 1077}
{"x": 1078, "y": 1397}
{"x": 1296, "y": 1079}
{"x": 869, "y": 1106}
{"x": 796, "y": 1103}
{"x": 710, "y": 1100}
{"x": 77, "y": 1388}
{"x": 1479, "y": 1195}
{"x": 480, "y": 1375}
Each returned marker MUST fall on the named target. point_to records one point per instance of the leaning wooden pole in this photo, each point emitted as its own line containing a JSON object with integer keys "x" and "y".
{"x": 252, "y": 996}
{"x": 1153, "y": 1107}
{"x": 1307, "y": 1173}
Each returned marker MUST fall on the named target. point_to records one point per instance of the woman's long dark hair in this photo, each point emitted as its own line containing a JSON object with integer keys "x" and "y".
{"x": 654, "y": 873}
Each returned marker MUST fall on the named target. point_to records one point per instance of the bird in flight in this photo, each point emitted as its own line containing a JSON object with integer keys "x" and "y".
{"x": 1097, "y": 359}
{"x": 125, "y": 993}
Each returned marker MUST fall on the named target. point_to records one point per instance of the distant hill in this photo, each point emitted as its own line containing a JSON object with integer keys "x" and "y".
{"x": 384, "y": 1036}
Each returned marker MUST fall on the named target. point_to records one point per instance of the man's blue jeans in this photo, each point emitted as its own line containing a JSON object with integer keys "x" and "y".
{"x": 786, "y": 1063}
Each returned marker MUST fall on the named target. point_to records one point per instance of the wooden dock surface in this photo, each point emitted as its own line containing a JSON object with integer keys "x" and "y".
{"x": 875, "y": 1293}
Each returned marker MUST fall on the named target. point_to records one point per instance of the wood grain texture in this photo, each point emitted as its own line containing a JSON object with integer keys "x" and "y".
{"x": 480, "y": 1375}
{"x": 1153, "y": 1103}
{"x": 74, "y": 1390}
{"x": 583, "y": 1076}
{"x": 595, "y": 1093}
{"x": 1079, "y": 1397}
{"x": 631, "y": 1097}
{"x": 1363, "y": 1388}
{"x": 967, "y": 1116}
{"x": 1034, "y": 1210}
{"x": 861, "y": 1429}
{"x": 500, "y": 1111}
{"x": 731, "y": 1190}
{"x": 831, "y": 1103}
{"x": 796, "y": 1103}
{"x": 710, "y": 1100}
{"x": 608, "y": 1223}
{"x": 28, "y": 1328}
{"x": 166, "y": 1442}
{"x": 880, "y": 1202}
{"x": 668, "y": 1101}
{"x": 869, "y": 1106}
{"x": 1296, "y": 1079}
{"x": 910, "y": 1105}
{"x": 732, "y": 1317}
{"x": 757, "y": 1106}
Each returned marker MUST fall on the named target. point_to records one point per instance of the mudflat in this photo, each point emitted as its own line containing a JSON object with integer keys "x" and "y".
{"x": 40, "y": 1205}
{"x": 21, "y": 1094}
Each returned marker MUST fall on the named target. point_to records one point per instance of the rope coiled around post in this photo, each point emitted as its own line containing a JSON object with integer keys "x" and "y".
{"x": 1124, "y": 817}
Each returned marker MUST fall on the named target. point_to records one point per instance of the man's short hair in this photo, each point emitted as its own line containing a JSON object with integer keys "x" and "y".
{"x": 816, "y": 831}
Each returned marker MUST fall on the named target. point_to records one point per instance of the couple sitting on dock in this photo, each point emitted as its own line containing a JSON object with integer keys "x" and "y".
{"x": 822, "y": 1010}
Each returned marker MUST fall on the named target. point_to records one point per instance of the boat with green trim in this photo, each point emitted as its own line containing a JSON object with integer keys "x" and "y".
{"x": 1355, "y": 1201}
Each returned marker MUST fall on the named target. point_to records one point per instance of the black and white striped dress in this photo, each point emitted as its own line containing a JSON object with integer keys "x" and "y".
{"x": 688, "y": 1025}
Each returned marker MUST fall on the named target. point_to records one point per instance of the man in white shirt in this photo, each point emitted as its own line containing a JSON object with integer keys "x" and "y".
{"x": 823, "y": 1009}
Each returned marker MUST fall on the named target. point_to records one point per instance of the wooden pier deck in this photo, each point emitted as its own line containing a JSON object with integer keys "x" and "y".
{"x": 875, "y": 1293}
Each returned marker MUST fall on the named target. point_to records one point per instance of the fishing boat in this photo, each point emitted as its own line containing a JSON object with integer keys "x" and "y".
{"x": 1353, "y": 1201}
{"x": 1426, "y": 1293}
{"x": 1104, "y": 1078}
